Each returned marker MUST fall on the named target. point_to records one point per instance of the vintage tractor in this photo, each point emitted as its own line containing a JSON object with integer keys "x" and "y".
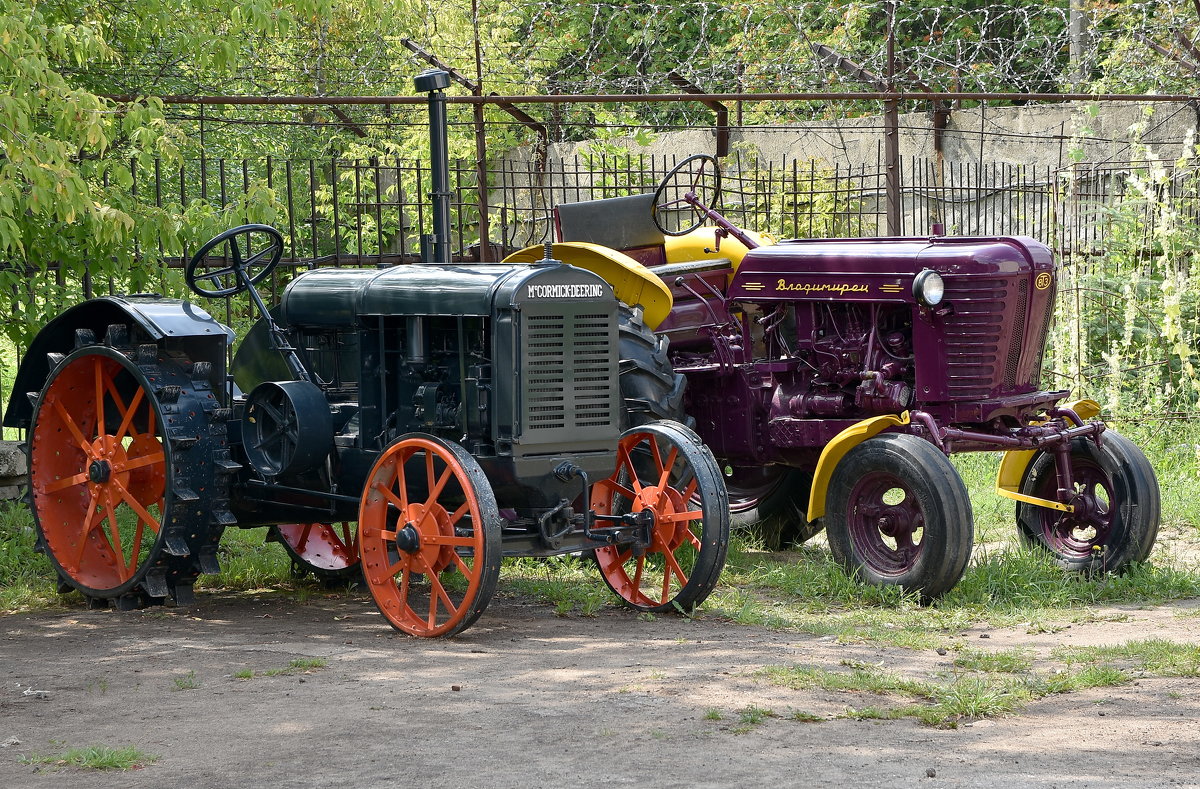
{"x": 833, "y": 378}
{"x": 457, "y": 413}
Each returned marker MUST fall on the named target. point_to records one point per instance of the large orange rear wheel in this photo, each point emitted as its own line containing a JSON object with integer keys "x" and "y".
{"x": 429, "y": 533}
{"x": 116, "y": 510}
{"x": 665, "y": 468}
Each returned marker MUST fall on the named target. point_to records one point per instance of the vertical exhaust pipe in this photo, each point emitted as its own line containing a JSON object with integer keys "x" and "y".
{"x": 435, "y": 247}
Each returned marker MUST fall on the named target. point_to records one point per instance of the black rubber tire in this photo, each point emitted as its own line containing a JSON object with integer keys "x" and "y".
{"x": 774, "y": 510}
{"x": 650, "y": 388}
{"x": 1128, "y": 524}
{"x": 702, "y": 544}
{"x": 857, "y": 509}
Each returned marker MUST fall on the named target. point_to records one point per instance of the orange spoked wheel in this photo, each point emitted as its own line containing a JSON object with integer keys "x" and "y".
{"x": 429, "y": 532}
{"x": 663, "y": 467}
{"x": 115, "y": 513}
{"x": 327, "y": 550}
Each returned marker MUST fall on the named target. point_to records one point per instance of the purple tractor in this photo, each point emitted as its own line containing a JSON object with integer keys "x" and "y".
{"x": 832, "y": 378}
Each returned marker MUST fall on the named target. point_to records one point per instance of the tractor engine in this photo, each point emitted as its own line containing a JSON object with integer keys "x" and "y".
{"x": 518, "y": 364}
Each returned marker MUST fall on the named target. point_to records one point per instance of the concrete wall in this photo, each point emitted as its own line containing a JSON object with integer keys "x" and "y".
{"x": 14, "y": 471}
{"x": 1043, "y": 137}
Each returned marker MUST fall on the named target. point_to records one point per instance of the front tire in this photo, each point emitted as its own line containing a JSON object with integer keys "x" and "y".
{"x": 1117, "y": 504}
{"x": 898, "y": 514}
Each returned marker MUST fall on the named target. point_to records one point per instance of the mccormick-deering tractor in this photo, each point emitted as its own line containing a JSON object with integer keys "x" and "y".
{"x": 458, "y": 413}
{"x": 833, "y": 378}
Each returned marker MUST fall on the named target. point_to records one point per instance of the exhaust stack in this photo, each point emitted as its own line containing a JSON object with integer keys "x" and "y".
{"x": 435, "y": 247}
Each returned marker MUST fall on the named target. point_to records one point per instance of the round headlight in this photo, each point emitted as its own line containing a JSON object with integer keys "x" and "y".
{"x": 928, "y": 288}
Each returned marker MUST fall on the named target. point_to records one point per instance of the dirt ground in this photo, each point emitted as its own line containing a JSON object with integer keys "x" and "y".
{"x": 528, "y": 699}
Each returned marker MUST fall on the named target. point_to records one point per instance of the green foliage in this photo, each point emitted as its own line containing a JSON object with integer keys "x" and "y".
{"x": 1126, "y": 332}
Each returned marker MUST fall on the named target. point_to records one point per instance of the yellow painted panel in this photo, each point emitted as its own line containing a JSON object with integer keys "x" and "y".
{"x": 700, "y": 245}
{"x": 836, "y": 449}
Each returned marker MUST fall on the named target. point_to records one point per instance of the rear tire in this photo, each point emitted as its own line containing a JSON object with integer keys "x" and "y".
{"x": 650, "y": 388}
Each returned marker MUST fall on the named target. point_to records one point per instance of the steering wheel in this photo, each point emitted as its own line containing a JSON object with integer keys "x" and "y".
{"x": 695, "y": 184}
{"x": 241, "y": 271}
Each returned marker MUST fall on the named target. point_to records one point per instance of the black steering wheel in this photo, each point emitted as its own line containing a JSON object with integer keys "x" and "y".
{"x": 694, "y": 184}
{"x": 237, "y": 271}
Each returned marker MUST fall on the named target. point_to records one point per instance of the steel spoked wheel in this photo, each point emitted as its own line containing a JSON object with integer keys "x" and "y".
{"x": 771, "y": 503}
{"x": 429, "y": 530}
{"x": 898, "y": 514}
{"x": 1115, "y": 501}
{"x": 327, "y": 550}
{"x": 116, "y": 510}
{"x": 664, "y": 468}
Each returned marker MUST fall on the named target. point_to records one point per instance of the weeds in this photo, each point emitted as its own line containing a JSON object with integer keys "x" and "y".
{"x": 187, "y": 682}
{"x": 96, "y": 757}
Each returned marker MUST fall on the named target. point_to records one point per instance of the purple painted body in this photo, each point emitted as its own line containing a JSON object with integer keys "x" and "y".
{"x": 811, "y": 336}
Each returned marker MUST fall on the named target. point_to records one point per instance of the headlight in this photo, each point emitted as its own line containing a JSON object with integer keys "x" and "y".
{"x": 928, "y": 288}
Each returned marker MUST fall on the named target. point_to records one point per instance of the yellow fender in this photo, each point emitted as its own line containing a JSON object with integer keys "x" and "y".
{"x": 836, "y": 449}
{"x": 1015, "y": 463}
{"x": 698, "y": 245}
{"x": 632, "y": 282}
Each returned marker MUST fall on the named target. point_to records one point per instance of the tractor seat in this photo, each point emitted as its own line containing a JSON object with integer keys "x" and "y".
{"x": 620, "y": 223}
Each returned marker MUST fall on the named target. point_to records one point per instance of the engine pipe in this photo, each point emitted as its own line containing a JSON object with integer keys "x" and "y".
{"x": 435, "y": 247}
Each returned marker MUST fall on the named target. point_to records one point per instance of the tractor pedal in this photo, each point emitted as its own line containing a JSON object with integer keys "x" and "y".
{"x": 222, "y": 414}
{"x": 84, "y": 338}
{"x": 183, "y": 594}
{"x": 201, "y": 369}
{"x": 176, "y": 545}
{"x": 155, "y": 584}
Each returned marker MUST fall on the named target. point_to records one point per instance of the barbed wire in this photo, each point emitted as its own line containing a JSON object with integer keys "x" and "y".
{"x": 610, "y": 46}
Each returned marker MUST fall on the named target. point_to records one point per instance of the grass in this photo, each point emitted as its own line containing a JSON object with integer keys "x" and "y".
{"x": 947, "y": 699}
{"x": 187, "y": 682}
{"x": 295, "y": 666}
{"x": 95, "y": 757}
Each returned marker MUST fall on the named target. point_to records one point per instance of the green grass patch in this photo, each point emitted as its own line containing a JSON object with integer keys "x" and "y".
{"x": 942, "y": 701}
{"x": 295, "y": 666}
{"x": 1009, "y": 661}
{"x": 26, "y": 580}
{"x": 95, "y": 757}
{"x": 571, "y": 584}
{"x": 1156, "y": 656}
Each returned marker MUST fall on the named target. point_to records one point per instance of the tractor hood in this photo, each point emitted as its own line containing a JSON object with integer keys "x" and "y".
{"x": 343, "y": 297}
{"x": 874, "y": 268}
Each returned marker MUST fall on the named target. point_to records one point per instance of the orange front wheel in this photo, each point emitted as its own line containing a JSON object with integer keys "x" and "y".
{"x": 429, "y": 534}
{"x": 664, "y": 467}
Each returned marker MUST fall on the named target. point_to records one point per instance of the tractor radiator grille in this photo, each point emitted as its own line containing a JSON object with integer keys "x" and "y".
{"x": 569, "y": 374}
{"x": 974, "y": 335}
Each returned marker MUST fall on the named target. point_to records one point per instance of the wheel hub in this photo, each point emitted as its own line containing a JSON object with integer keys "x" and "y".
{"x": 408, "y": 539}
{"x": 99, "y": 471}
